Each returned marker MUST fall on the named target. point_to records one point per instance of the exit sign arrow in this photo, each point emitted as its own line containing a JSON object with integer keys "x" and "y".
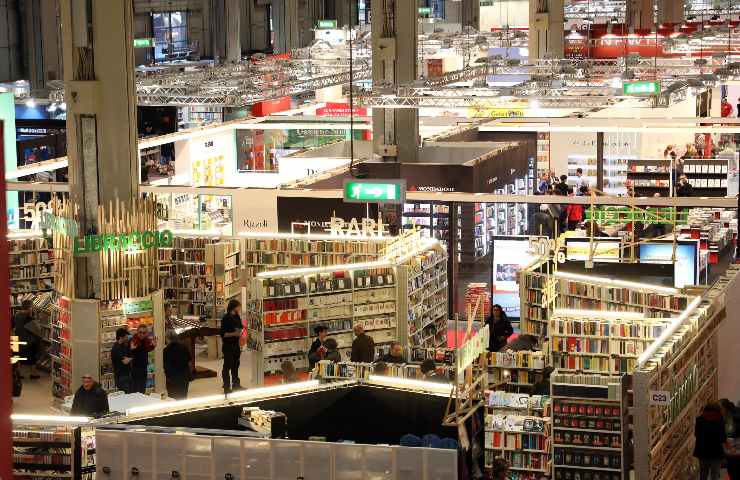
{"x": 381, "y": 191}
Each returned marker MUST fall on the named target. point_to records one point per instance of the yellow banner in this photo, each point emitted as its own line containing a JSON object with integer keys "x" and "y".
{"x": 489, "y": 112}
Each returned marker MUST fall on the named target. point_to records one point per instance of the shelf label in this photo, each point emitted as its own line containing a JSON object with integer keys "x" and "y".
{"x": 381, "y": 191}
{"x": 660, "y": 398}
{"x": 143, "y": 42}
{"x": 326, "y": 24}
{"x": 641, "y": 88}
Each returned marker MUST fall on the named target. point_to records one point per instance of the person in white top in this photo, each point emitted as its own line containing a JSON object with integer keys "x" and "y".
{"x": 580, "y": 181}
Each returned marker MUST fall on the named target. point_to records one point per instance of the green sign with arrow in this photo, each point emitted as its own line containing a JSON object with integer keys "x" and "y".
{"x": 324, "y": 24}
{"x": 641, "y": 88}
{"x": 425, "y": 10}
{"x": 369, "y": 191}
{"x": 143, "y": 42}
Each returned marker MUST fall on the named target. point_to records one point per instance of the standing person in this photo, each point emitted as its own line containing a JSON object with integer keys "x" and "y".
{"x": 725, "y": 108}
{"x": 29, "y": 350}
{"x": 90, "y": 399}
{"x": 710, "y": 436}
{"x": 684, "y": 188}
{"x": 288, "y": 370}
{"x": 332, "y": 350}
{"x": 363, "y": 346}
{"x": 542, "y": 222}
{"x": 178, "y": 367}
{"x": 120, "y": 357}
{"x": 580, "y": 181}
{"x": 500, "y": 329}
{"x": 575, "y": 215}
{"x": 140, "y": 346}
{"x": 231, "y": 331}
{"x": 395, "y": 355}
{"x": 544, "y": 184}
{"x": 317, "y": 350}
{"x": 732, "y": 429}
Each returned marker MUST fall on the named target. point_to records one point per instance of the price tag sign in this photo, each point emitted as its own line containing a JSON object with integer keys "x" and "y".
{"x": 660, "y": 398}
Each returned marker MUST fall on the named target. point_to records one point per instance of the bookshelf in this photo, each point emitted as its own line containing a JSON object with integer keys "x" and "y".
{"x": 517, "y": 369}
{"x": 543, "y": 153}
{"x": 707, "y": 176}
{"x": 223, "y": 273}
{"x": 432, "y": 218}
{"x": 427, "y": 292}
{"x": 30, "y": 261}
{"x": 291, "y": 307}
{"x": 535, "y": 304}
{"x": 41, "y": 325}
{"x": 650, "y": 176}
{"x": 182, "y": 276}
{"x": 518, "y": 428}
{"x": 589, "y": 427}
{"x": 83, "y": 346}
{"x": 53, "y": 451}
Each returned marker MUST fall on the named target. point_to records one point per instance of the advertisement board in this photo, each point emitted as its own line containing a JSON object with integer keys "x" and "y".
{"x": 510, "y": 255}
{"x": 604, "y": 249}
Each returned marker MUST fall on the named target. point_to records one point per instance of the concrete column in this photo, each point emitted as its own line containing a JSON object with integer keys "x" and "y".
{"x": 546, "y": 34}
{"x": 395, "y": 131}
{"x": 208, "y": 48}
{"x": 670, "y": 11}
{"x": 314, "y": 12}
{"x": 470, "y": 13}
{"x": 339, "y": 10}
{"x": 640, "y": 13}
{"x": 233, "y": 10}
{"x": 285, "y": 23}
{"x": 42, "y": 45}
{"x": 100, "y": 93}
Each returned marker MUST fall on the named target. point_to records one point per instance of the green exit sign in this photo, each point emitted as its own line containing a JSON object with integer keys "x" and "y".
{"x": 425, "y": 10}
{"x": 327, "y": 24}
{"x": 381, "y": 191}
{"x": 143, "y": 42}
{"x": 641, "y": 88}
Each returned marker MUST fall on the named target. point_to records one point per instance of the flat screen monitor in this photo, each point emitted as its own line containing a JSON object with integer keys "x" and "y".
{"x": 510, "y": 255}
{"x": 686, "y": 270}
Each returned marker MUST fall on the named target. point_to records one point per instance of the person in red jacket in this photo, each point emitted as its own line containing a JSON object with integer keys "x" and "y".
{"x": 140, "y": 346}
{"x": 575, "y": 213}
{"x": 726, "y": 108}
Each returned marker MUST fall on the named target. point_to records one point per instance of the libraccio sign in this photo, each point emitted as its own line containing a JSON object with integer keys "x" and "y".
{"x": 641, "y": 88}
{"x": 127, "y": 242}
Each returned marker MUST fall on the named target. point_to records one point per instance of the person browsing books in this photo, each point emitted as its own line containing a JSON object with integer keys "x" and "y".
{"x": 429, "y": 371}
{"x": 709, "y": 431}
{"x": 317, "y": 350}
{"x": 178, "y": 367}
{"x": 363, "y": 346}
{"x": 120, "y": 357}
{"x": 500, "y": 329}
{"x": 395, "y": 355}
{"x": 332, "y": 350}
{"x": 140, "y": 346}
{"x": 231, "y": 332}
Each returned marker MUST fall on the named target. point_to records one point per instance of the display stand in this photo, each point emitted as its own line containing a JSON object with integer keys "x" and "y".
{"x": 708, "y": 177}
{"x": 53, "y": 450}
{"x": 31, "y": 261}
{"x": 651, "y": 176}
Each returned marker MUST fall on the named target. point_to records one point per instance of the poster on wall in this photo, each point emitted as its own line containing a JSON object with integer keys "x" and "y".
{"x": 510, "y": 255}
{"x": 209, "y": 159}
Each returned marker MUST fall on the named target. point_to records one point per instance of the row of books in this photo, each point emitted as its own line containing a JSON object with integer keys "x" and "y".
{"x": 373, "y": 295}
{"x": 499, "y": 398}
{"x": 439, "y": 355}
{"x": 578, "y": 345}
{"x": 587, "y": 439}
{"x": 579, "y": 303}
{"x": 592, "y": 459}
{"x": 328, "y": 369}
{"x": 586, "y": 422}
{"x": 570, "y": 474}
{"x": 505, "y": 422}
{"x": 624, "y": 295}
{"x": 595, "y": 364}
{"x": 602, "y": 328}
{"x": 521, "y": 359}
{"x": 498, "y": 376}
{"x": 516, "y": 441}
{"x": 298, "y": 245}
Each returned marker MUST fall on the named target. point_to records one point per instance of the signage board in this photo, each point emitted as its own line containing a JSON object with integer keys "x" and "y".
{"x": 137, "y": 305}
{"x": 326, "y": 24}
{"x": 471, "y": 350}
{"x": 371, "y": 191}
{"x": 641, "y": 88}
{"x": 495, "y": 112}
{"x": 339, "y": 109}
{"x": 425, "y": 10}
{"x": 618, "y": 215}
{"x": 660, "y": 398}
{"x": 132, "y": 242}
{"x": 143, "y": 42}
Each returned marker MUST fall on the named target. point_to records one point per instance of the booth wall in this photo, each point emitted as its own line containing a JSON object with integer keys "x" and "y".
{"x": 729, "y": 332}
{"x": 563, "y": 144}
{"x": 512, "y": 13}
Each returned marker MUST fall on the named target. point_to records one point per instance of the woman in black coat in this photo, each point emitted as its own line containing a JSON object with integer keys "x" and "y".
{"x": 500, "y": 329}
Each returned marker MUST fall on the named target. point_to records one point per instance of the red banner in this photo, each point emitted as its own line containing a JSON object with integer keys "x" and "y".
{"x": 334, "y": 109}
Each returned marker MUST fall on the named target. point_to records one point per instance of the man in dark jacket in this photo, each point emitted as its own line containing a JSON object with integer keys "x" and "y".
{"x": 140, "y": 346}
{"x": 90, "y": 399}
{"x": 395, "y": 355}
{"x": 363, "y": 346}
{"x": 542, "y": 222}
{"x": 120, "y": 356}
{"x": 231, "y": 332}
{"x": 429, "y": 370}
{"x": 177, "y": 367}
